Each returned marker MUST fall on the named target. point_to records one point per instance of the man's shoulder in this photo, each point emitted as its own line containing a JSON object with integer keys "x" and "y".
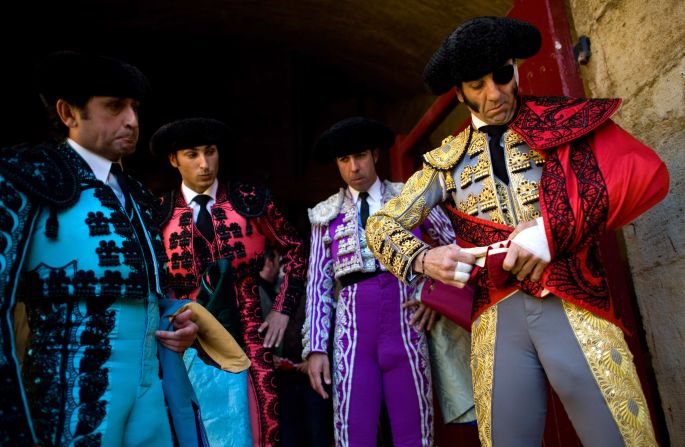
{"x": 247, "y": 199}
{"x": 391, "y": 190}
{"x": 450, "y": 152}
{"x": 548, "y": 121}
{"x": 165, "y": 206}
{"x": 324, "y": 212}
{"x": 42, "y": 172}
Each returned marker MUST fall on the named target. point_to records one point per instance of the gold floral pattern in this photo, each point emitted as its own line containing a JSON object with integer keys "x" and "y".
{"x": 483, "y": 335}
{"x": 611, "y": 364}
{"x": 449, "y": 153}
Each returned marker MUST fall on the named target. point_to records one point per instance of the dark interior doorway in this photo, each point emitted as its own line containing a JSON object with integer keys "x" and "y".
{"x": 278, "y": 73}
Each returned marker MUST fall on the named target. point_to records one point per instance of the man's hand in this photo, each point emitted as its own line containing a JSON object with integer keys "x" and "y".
{"x": 303, "y": 367}
{"x": 424, "y": 316}
{"x": 275, "y": 324}
{"x": 183, "y": 335}
{"x": 449, "y": 264}
{"x": 318, "y": 366}
{"x": 520, "y": 227}
{"x": 528, "y": 253}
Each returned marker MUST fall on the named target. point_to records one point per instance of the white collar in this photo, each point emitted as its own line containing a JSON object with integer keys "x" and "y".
{"x": 189, "y": 194}
{"x": 97, "y": 163}
{"x": 374, "y": 191}
{"x": 477, "y": 122}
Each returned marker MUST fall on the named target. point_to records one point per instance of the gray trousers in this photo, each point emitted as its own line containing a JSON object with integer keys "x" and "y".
{"x": 534, "y": 340}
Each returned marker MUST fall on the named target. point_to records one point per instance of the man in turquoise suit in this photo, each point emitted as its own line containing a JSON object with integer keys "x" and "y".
{"x": 78, "y": 246}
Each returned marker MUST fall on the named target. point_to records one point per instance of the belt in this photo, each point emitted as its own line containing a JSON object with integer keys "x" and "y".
{"x": 355, "y": 277}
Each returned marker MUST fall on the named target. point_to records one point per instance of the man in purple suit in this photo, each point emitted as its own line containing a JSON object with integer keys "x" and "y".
{"x": 378, "y": 354}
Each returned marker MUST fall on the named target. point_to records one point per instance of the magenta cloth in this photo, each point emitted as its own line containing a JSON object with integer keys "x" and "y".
{"x": 449, "y": 301}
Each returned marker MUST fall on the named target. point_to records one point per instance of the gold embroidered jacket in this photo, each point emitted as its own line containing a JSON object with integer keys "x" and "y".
{"x": 567, "y": 163}
{"x": 460, "y": 170}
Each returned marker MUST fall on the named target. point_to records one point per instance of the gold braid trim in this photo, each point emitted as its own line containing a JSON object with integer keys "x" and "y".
{"x": 388, "y": 232}
{"x": 483, "y": 335}
{"x": 611, "y": 364}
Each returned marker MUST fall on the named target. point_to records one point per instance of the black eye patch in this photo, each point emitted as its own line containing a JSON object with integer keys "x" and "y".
{"x": 503, "y": 74}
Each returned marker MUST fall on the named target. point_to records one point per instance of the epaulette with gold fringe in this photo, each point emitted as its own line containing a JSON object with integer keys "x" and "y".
{"x": 450, "y": 152}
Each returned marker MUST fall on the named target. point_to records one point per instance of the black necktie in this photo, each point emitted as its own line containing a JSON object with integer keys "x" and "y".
{"x": 499, "y": 166}
{"x": 117, "y": 172}
{"x": 204, "y": 220}
{"x": 364, "y": 210}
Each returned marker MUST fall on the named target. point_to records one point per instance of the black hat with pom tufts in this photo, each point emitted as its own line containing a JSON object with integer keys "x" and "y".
{"x": 478, "y": 47}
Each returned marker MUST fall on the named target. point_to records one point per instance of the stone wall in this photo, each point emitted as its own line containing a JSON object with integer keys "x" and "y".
{"x": 638, "y": 54}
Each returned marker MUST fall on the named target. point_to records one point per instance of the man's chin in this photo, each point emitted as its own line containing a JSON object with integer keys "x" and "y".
{"x": 499, "y": 118}
{"x": 127, "y": 148}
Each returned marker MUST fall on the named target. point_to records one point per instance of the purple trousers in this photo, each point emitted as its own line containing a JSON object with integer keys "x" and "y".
{"x": 379, "y": 356}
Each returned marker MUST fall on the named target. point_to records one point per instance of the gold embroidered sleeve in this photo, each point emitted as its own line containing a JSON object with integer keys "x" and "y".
{"x": 388, "y": 231}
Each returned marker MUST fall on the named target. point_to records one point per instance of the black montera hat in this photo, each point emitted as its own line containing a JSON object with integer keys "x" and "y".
{"x": 478, "y": 47}
{"x": 351, "y": 136}
{"x": 75, "y": 77}
{"x": 187, "y": 133}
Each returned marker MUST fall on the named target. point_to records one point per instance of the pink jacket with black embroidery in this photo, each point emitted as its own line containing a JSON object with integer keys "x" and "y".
{"x": 244, "y": 218}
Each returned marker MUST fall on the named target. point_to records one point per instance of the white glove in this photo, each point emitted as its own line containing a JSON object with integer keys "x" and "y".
{"x": 534, "y": 240}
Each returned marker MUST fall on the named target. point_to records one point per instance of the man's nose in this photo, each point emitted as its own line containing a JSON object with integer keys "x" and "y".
{"x": 492, "y": 90}
{"x": 131, "y": 117}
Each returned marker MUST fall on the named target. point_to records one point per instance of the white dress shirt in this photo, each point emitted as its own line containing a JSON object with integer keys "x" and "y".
{"x": 101, "y": 168}
{"x": 478, "y": 123}
{"x": 189, "y": 195}
{"x": 374, "y": 199}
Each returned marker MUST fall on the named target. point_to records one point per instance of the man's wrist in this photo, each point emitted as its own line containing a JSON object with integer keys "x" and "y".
{"x": 419, "y": 266}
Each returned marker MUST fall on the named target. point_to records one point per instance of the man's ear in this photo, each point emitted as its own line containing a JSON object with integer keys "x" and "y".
{"x": 376, "y": 153}
{"x": 460, "y": 95}
{"x": 173, "y": 160}
{"x": 67, "y": 113}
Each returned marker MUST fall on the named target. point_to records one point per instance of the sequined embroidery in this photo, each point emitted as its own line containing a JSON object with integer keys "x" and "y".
{"x": 612, "y": 366}
{"x": 450, "y": 152}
